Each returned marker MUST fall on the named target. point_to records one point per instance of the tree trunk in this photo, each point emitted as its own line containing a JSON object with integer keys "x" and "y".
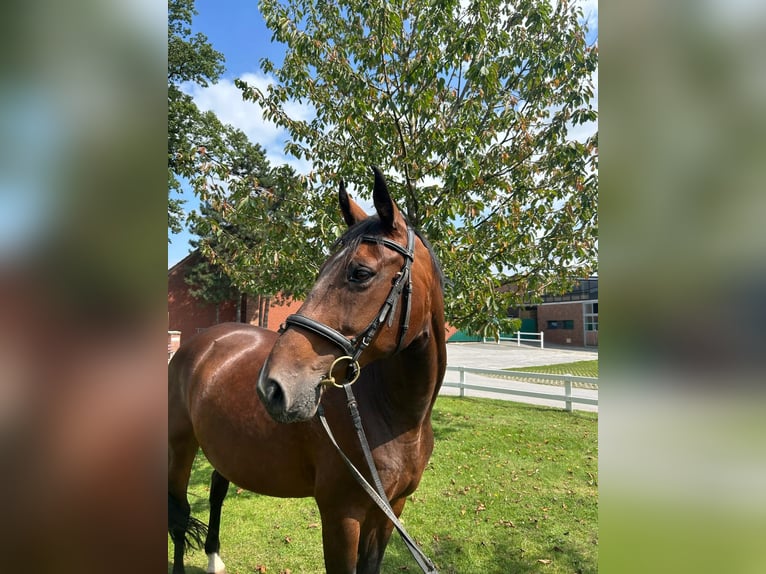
{"x": 242, "y": 308}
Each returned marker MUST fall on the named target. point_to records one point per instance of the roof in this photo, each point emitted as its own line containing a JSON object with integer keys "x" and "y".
{"x": 186, "y": 260}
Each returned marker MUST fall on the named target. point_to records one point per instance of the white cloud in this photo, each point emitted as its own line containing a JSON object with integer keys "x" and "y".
{"x": 225, "y": 100}
{"x": 590, "y": 12}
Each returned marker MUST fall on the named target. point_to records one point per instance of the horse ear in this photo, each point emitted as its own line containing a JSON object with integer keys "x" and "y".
{"x": 352, "y": 213}
{"x": 384, "y": 205}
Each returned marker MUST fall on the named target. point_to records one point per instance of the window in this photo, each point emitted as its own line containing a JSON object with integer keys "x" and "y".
{"x": 565, "y": 324}
{"x": 590, "y": 316}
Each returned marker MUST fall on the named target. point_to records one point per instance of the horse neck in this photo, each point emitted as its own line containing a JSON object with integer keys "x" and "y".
{"x": 412, "y": 378}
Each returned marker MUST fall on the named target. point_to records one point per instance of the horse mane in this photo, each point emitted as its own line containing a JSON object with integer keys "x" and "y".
{"x": 371, "y": 226}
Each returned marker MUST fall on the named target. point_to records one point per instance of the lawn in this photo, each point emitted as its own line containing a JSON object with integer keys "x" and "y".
{"x": 578, "y": 369}
{"x": 510, "y": 488}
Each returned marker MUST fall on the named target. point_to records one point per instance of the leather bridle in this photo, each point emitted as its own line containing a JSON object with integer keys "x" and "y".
{"x": 353, "y": 348}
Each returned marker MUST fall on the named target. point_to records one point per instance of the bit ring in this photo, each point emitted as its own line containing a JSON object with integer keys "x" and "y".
{"x": 330, "y": 380}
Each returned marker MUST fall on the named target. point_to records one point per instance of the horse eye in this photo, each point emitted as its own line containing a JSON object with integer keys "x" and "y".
{"x": 359, "y": 274}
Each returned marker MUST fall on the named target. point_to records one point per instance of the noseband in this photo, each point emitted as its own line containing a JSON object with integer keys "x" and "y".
{"x": 354, "y": 347}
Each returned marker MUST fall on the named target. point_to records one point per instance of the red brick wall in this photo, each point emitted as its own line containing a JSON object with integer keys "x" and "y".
{"x": 187, "y": 314}
{"x": 561, "y": 312}
{"x": 278, "y": 313}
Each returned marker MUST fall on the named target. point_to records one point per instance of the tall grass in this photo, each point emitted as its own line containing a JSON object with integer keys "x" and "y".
{"x": 510, "y": 488}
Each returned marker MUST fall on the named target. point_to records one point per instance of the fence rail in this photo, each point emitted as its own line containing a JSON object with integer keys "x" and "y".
{"x": 518, "y": 338}
{"x": 568, "y": 381}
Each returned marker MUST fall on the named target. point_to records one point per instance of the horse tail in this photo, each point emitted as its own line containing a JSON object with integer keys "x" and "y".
{"x": 183, "y": 527}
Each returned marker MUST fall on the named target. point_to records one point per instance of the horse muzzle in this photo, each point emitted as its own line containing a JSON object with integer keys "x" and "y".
{"x": 284, "y": 399}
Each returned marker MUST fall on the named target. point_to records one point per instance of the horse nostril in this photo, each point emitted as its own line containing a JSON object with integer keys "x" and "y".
{"x": 273, "y": 396}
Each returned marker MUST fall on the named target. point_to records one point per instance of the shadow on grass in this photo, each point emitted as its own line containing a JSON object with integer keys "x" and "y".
{"x": 454, "y": 557}
{"x": 187, "y": 569}
{"x": 447, "y": 423}
{"x": 493, "y": 557}
{"x": 579, "y": 564}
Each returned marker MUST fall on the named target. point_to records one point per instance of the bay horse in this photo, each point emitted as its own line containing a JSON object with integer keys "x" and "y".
{"x": 249, "y": 397}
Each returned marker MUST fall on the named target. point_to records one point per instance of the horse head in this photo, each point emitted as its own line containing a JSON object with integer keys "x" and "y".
{"x": 369, "y": 302}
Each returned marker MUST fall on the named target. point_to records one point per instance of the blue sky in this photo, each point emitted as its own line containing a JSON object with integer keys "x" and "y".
{"x": 236, "y": 29}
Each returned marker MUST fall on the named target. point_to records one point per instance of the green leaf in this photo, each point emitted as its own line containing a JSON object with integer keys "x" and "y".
{"x": 465, "y": 108}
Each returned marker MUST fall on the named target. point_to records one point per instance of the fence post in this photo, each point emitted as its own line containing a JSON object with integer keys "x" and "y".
{"x": 518, "y": 338}
{"x": 568, "y": 392}
{"x": 462, "y": 381}
{"x": 542, "y": 334}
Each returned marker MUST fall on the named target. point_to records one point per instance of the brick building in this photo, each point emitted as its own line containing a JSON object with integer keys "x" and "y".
{"x": 571, "y": 318}
{"x": 190, "y": 315}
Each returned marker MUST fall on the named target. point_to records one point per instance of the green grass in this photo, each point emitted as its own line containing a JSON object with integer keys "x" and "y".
{"x": 510, "y": 488}
{"x": 578, "y": 369}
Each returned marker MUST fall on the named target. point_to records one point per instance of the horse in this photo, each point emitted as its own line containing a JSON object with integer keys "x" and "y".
{"x": 249, "y": 397}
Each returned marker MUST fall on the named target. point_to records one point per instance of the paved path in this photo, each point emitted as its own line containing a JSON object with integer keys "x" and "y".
{"x": 508, "y": 355}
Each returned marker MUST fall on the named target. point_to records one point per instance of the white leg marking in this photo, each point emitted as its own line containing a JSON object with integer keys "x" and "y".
{"x": 215, "y": 565}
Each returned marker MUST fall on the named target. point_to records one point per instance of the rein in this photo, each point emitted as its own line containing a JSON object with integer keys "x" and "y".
{"x": 378, "y": 496}
{"x": 353, "y": 349}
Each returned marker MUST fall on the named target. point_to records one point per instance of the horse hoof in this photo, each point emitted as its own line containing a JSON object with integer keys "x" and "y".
{"x": 215, "y": 565}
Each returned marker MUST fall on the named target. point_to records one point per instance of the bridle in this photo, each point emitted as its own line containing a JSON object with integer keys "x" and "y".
{"x": 353, "y": 348}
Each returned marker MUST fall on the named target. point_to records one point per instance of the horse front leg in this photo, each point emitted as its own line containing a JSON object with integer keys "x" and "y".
{"x": 340, "y": 540}
{"x": 374, "y": 537}
{"x": 219, "y": 486}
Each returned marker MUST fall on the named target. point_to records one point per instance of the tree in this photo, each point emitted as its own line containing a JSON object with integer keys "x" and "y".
{"x": 241, "y": 211}
{"x": 468, "y": 108}
{"x": 191, "y": 58}
{"x": 208, "y": 281}
{"x": 223, "y": 168}
{"x": 255, "y": 228}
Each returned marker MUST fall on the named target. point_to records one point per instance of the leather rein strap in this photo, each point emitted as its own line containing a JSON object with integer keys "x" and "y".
{"x": 378, "y": 496}
{"x": 353, "y": 349}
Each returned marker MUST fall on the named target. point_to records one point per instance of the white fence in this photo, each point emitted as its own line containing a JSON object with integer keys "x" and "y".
{"x": 568, "y": 382}
{"x": 537, "y": 337}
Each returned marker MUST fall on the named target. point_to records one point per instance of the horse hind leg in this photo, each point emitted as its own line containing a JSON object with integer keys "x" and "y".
{"x": 185, "y": 531}
{"x": 219, "y": 486}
